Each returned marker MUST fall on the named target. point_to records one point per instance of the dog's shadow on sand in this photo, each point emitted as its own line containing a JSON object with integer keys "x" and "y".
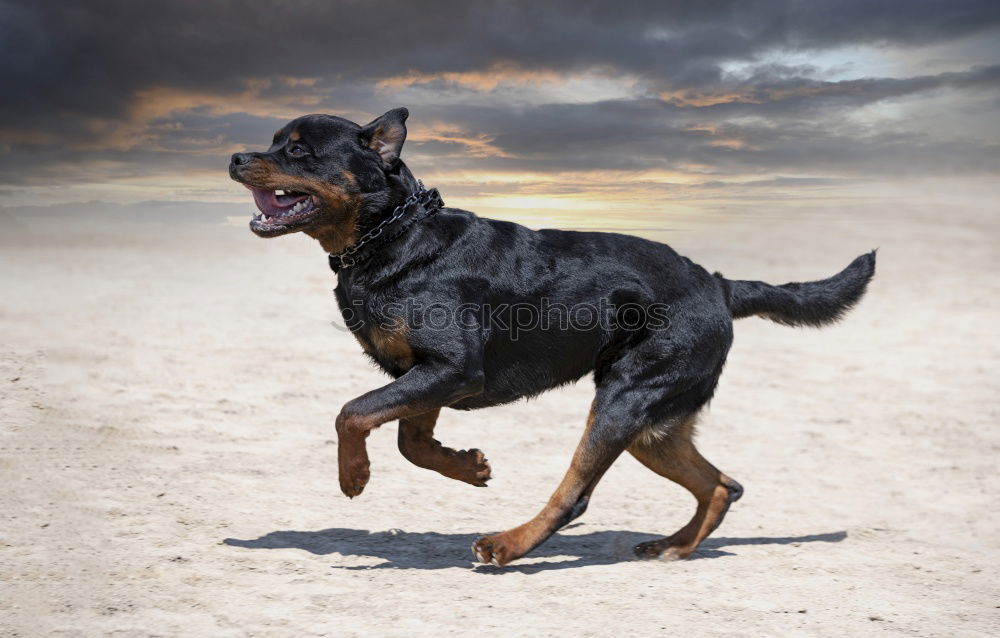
{"x": 431, "y": 550}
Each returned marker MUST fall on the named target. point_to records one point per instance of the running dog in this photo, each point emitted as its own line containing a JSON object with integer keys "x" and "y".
{"x": 661, "y": 328}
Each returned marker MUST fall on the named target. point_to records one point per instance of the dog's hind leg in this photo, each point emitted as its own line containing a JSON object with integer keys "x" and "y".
{"x": 604, "y": 440}
{"x": 418, "y": 445}
{"x": 670, "y": 452}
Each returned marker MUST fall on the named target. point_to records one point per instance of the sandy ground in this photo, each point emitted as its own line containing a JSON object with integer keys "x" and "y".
{"x": 168, "y": 457}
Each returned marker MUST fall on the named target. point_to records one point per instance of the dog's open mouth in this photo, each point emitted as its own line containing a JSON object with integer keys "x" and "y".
{"x": 280, "y": 210}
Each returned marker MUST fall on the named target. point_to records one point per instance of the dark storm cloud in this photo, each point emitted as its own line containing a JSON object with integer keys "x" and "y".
{"x": 90, "y": 58}
{"x": 768, "y": 93}
{"x": 650, "y": 133}
{"x": 621, "y": 144}
{"x": 133, "y": 88}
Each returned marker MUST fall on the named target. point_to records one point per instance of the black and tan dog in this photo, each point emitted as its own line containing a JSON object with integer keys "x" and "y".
{"x": 655, "y": 331}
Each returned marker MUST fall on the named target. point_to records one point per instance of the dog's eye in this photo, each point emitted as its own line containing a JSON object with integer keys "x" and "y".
{"x": 297, "y": 150}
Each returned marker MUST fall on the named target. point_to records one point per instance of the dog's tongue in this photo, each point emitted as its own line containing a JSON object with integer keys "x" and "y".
{"x": 271, "y": 204}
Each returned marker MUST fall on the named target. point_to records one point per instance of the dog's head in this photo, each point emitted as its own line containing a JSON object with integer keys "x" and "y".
{"x": 319, "y": 174}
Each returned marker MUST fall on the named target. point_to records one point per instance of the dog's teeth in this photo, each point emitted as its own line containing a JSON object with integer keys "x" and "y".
{"x": 265, "y": 218}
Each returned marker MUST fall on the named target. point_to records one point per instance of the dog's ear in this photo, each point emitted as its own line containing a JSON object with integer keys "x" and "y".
{"x": 385, "y": 135}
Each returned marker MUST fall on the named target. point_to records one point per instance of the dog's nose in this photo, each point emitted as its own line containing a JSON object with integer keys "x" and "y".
{"x": 239, "y": 159}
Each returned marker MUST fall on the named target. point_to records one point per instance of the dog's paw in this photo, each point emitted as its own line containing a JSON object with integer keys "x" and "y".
{"x": 495, "y": 550}
{"x": 476, "y": 468}
{"x": 662, "y": 550}
{"x": 486, "y": 552}
{"x": 354, "y": 479}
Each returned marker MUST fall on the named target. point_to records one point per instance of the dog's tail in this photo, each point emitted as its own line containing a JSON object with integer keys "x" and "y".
{"x": 813, "y": 303}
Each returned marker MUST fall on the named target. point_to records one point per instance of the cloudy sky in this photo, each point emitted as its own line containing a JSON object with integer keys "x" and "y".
{"x": 569, "y": 113}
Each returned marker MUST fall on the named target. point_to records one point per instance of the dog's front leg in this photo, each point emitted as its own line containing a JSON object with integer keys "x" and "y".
{"x": 424, "y": 387}
{"x": 418, "y": 445}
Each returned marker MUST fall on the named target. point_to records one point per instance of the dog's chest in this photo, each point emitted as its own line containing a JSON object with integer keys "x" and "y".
{"x": 384, "y": 338}
{"x": 388, "y": 346}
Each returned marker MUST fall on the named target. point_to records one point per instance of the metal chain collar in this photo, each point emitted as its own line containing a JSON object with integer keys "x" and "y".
{"x": 346, "y": 258}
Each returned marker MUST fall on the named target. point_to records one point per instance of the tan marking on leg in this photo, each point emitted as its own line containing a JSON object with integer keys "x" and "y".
{"x": 352, "y": 455}
{"x": 590, "y": 461}
{"x": 671, "y": 453}
{"x": 417, "y": 444}
{"x": 352, "y": 450}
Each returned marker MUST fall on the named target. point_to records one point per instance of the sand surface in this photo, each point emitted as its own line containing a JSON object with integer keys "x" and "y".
{"x": 168, "y": 456}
